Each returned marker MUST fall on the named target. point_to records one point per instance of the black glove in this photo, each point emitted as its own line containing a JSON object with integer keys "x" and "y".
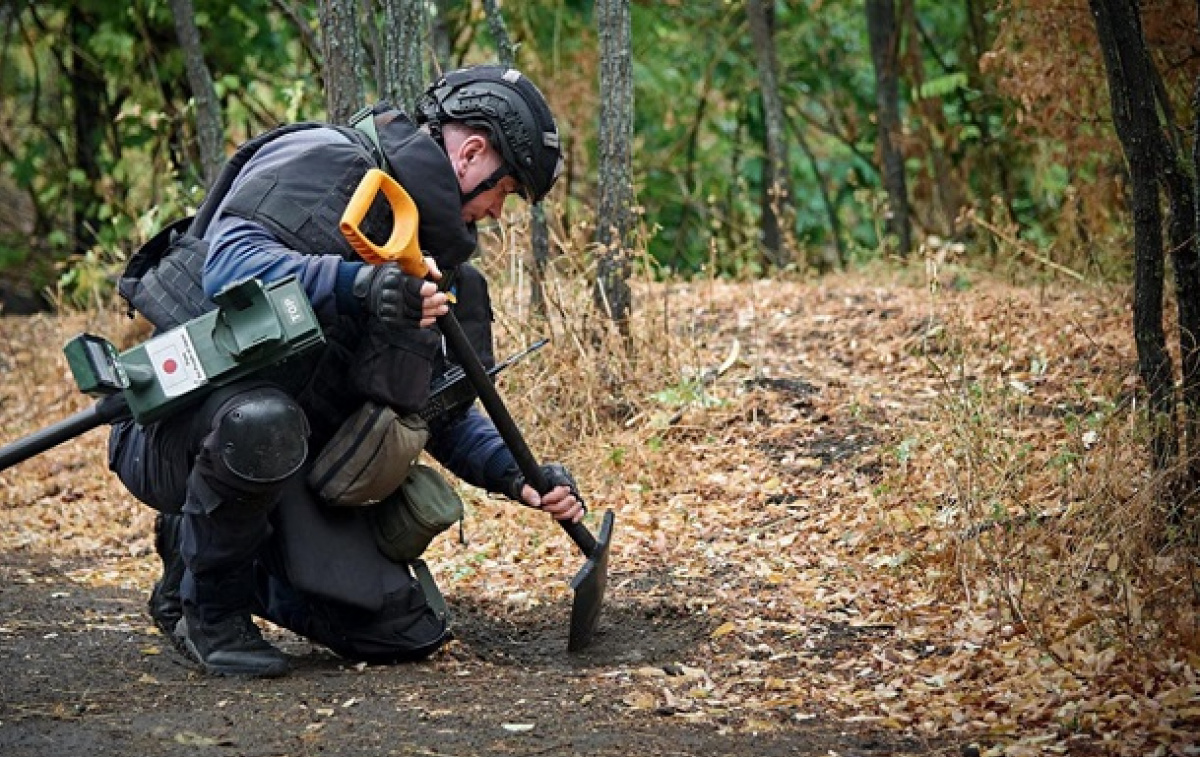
{"x": 555, "y": 474}
{"x": 390, "y": 295}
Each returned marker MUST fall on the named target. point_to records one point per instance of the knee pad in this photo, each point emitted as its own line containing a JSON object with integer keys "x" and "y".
{"x": 262, "y": 436}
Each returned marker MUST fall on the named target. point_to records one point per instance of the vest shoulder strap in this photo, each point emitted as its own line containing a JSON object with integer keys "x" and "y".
{"x": 162, "y": 279}
{"x": 234, "y": 166}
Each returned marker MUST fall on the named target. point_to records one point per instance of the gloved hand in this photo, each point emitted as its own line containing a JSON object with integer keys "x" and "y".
{"x": 396, "y": 299}
{"x": 563, "y": 501}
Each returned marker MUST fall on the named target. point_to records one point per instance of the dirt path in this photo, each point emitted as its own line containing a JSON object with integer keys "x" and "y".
{"x": 85, "y": 673}
{"x": 788, "y": 574}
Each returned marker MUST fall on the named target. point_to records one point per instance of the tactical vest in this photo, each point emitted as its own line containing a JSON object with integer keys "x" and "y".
{"x": 164, "y": 278}
{"x": 301, "y": 206}
{"x": 302, "y": 203}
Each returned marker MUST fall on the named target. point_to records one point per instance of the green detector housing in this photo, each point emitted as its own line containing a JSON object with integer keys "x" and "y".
{"x": 254, "y": 325}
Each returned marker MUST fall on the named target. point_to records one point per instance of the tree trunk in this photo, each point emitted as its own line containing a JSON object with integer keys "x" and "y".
{"x": 403, "y": 79}
{"x": 981, "y": 38}
{"x": 441, "y": 39}
{"x": 1130, "y": 87}
{"x": 371, "y": 41}
{"x": 539, "y": 242}
{"x": 499, "y": 32}
{"x": 614, "y": 215}
{"x": 342, "y": 53}
{"x": 210, "y": 132}
{"x": 1180, "y": 186}
{"x": 778, "y": 214}
{"x": 839, "y": 256}
{"x": 1182, "y": 227}
{"x": 885, "y": 41}
{"x": 90, "y": 114}
{"x": 1191, "y": 368}
{"x": 539, "y": 236}
{"x": 930, "y": 122}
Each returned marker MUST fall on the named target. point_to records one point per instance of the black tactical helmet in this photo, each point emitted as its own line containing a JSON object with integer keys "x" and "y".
{"x": 513, "y": 112}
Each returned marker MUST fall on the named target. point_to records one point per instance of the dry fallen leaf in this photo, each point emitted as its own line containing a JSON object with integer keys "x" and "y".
{"x": 875, "y": 504}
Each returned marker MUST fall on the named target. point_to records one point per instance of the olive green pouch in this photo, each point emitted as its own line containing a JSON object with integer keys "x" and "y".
{"x": 424, "y": 506}
{"x": 368, "y": 457}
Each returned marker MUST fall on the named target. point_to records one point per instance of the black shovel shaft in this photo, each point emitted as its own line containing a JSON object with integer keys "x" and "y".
{"x": 107, "y": 410}
{"x": 505, "y": 424}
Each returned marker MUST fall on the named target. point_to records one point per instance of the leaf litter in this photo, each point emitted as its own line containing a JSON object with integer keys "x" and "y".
{"x": 854, "y": 503}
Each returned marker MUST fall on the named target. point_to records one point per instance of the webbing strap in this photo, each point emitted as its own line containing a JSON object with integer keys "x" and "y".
{"x": 433, "y": 595}
{"x": 364, "y": 121}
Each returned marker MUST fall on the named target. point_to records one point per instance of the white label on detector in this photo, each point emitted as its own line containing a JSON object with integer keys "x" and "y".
{"x": 175, "y": 363}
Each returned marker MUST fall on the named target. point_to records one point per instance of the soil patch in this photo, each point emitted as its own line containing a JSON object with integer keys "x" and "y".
{"x": 86, "y": 673}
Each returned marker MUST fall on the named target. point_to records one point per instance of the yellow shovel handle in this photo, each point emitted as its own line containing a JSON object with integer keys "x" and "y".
{"x": 402, "y": 246}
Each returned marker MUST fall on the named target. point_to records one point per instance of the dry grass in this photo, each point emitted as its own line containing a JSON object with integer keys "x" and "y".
{"x": 950, "y": 465}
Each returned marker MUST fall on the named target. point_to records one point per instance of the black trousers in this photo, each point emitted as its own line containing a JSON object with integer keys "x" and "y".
{"x": 309, "y": 568}
{"x": 174, "y": 466}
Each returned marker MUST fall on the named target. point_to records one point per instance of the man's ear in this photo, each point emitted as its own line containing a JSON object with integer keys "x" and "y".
{"x": 468, "y": 150}
{"x": 474, "y": 147}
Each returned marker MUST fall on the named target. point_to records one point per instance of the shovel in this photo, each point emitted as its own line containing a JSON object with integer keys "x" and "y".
{"x": 402, "y": 247}
{"x": 591, "y": 580}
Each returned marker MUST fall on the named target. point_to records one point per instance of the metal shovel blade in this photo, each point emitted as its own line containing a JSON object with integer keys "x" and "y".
{"x": 589, "y": 585}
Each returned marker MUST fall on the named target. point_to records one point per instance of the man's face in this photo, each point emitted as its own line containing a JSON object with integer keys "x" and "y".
{"x": 477, "y": 162}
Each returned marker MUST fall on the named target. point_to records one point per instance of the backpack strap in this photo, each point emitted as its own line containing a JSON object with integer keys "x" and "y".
{"x": 364, "y": 121}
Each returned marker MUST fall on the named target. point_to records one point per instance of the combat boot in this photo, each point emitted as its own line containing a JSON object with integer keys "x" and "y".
{"x": 218, "y": 632}
{"x": 165, "y": 606}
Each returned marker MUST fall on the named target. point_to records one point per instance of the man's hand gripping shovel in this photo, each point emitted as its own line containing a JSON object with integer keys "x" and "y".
{"x": 403, "y": 248}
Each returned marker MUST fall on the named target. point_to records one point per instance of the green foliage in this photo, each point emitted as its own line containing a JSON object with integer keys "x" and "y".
{"x": 699, "y": 129}
{"x": 687, "y": 393}
{"x": 12, "y": 254}
{"x": 942, "y": 87}
{"x": 700, "y": 117}
{"x": 91, "y": 214}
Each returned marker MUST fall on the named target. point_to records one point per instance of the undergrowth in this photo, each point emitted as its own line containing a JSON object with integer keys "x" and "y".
{"x": 1031, "y": 470}
{"x": 592, "y": 383}
{"x": 1039, "y": 456}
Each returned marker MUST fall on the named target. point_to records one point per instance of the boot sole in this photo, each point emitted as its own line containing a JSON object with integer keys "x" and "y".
{"x": 168, "y": 626}
{"x": 185, "y": 645}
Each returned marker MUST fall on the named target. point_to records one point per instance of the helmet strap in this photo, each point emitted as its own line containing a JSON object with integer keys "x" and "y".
{"x": 485, "y": 185}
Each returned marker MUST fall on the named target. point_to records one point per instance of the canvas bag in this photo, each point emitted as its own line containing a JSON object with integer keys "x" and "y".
{"x": 368, "y": 457}
{"x": 424, "y": 506}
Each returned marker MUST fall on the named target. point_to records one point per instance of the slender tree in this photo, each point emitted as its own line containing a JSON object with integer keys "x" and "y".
{"x": 210, "y": 131}
{"x": 403, "y": 73}
{"x": 539, "y": 236}
{"x": 343, "y": 56}
{"x": 840, "y": 255}
{"x": 90, "y": 117}
{"x": 777, "y": 212}
{"x": 1139, "y": 106}
{"x": 308, "y": 38}
{"x": 1187, "y": 278}
{"x": 441, "y": 47}
{"x": 499, "y": 31}
{"x": 884, "y": 37}
{"x": 614, "y": 212}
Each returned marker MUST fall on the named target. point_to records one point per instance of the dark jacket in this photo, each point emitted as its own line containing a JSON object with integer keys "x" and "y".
{"x": 280, "y": 218}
